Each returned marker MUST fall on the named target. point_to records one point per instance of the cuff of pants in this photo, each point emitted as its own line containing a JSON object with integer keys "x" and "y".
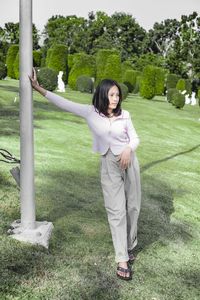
{"x": 121, "y": 259}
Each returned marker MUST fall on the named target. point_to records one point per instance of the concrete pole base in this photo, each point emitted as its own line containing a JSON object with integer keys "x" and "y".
{"x": 38, "y": 236}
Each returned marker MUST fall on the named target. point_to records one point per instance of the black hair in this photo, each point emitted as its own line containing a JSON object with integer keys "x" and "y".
{"x": 100, "y": 98}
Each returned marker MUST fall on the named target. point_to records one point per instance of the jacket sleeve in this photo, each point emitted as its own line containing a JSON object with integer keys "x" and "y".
{"x": 133, "y": 137}
{"x": 67, "y": 105}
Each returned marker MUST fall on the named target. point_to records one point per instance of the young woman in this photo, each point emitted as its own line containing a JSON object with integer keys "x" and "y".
{"x": 115, "y": 138}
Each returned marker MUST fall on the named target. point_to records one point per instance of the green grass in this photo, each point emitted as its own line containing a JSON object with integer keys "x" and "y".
{"x": 80, "y": 261}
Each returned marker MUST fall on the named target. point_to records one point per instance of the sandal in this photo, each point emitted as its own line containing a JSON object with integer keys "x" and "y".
{"x": 132, "y": 257}
{"x": 125, "y": 271}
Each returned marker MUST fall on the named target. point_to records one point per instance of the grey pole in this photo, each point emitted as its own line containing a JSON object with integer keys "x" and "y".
{"x": 27, "y": 229}
{"x": 27, "y": 193}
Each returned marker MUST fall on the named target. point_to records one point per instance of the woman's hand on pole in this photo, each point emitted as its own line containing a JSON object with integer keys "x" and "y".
{"x": 35, "y": 84}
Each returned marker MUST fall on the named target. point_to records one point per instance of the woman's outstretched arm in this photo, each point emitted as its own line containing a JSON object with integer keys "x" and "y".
{"x": 66, "y": 105}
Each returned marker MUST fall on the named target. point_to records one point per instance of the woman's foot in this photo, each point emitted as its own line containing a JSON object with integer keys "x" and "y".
{"x": 123, "y": 271}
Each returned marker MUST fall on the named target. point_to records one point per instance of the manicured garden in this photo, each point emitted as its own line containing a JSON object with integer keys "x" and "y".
{"x": 79, "y": 263}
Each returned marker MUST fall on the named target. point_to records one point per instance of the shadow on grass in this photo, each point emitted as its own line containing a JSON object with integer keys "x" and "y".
{"x": 153, "y": 163}
{"x": 9, "y": 88}
{"x": 73, "y": 201}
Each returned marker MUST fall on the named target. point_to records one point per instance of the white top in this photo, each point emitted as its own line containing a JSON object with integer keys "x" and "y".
{"x": 116, "y": 135}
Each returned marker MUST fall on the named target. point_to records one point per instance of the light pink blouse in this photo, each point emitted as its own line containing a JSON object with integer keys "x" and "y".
{"x": 116, "y": 135}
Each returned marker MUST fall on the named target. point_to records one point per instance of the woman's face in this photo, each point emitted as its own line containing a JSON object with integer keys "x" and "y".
{"x": 113, "y": 96}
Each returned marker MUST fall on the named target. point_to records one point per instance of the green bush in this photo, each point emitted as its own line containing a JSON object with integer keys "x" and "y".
{"x": 188, "y": 86}
{"x": 170, "y": 94}
{"x": 3, "y": 70}
{"x": 16, "y": 66}
{"x": 57, "y": 60}
{"x": 10, "y": 59}
{"x": 47, "y": 78}
{"x": 159, "y": 81}
{"x": 172, "y": 80}
{"x": 84, "y": 84}
{"x": 147, "y": 85}
{"x": 37, "y": 57}
{"x": 198, "y": 95}
{"x": 129, "y": 79}
{"x": 181, "y": 86}
{"x": 124, "y": 89}
{"x": 113, "y": 68}
{"x": 178, "y": 100}
{"x": 137, "y": 84}
{"x": 84, "y": 65}
{"x": 101, "y": 61}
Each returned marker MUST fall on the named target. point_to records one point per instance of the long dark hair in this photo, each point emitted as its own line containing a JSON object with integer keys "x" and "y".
{"x": 100, "y": 98}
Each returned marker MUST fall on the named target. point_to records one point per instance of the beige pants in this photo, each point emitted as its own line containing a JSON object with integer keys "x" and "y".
{"x": 122, "y": 198}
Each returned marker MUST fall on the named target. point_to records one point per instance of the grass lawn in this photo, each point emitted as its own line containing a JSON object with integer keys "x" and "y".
{"x": 80, "y": 261}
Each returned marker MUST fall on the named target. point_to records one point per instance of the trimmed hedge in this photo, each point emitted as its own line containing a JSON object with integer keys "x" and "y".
{"x": 47, "y": 78}
{"x": 129, "y": 79}
{"x": 178, "y": 100}
{"x": 3, "y": 70}
{"x": 170, "y": 94}
{"x": 181, "y": 86}
{"x": 124, "y": 89}
{"x": 101, "y": 61}
{"x": 147, "y": 86}
{"x": 159, "y": 81}
{"x": 113, "y": 68}
{"x": 10, "y": 59}
{"x": 84, "y": 84}
{"x": 57, "y": 60}
{"x": 137, "y": 84}
{"x": 84, "y": 65}
{"x": 37, "y": 57}
{"x": 16, "y": 66}
{"x": 172, "y": 80}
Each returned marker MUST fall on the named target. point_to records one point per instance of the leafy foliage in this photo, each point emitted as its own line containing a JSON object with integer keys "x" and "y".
{"x": 47, "y": 78}
{"x": 181, "y": 86}
{"x": 84, "y": 65}
{"x": 113, "y": 68}
{"x": 84, "y": 84}
{"x": 37, "y": 57}
{"x": 10, "y": 59}
{"x": 3, "y": 70}
{"x": 172, "y": 80}
{"x": 57, "y": 59}
{"x": 124, "y": 90}
{"x": 147, "y": 89}
{"x": 178, "y": 100}
{"x": 170, "y": 93}
{"x": 129, "y": 79}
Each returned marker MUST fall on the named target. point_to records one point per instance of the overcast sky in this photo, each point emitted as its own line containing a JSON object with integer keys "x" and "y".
{"x": 146, "y": 12}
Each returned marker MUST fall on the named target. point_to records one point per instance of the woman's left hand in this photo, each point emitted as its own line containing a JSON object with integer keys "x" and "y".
{"x": 125, "y": 158}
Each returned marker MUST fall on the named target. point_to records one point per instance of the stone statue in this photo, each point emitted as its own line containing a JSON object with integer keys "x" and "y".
{"x": 61, "y": 85}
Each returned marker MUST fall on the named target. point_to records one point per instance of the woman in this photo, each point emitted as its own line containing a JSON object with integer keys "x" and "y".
{"x": 115, "y": 138}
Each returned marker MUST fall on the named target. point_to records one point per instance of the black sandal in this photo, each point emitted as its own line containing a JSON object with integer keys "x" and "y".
{"x": 125, "y": 271}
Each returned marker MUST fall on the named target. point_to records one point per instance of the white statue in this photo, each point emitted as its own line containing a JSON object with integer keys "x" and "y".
{"x": 193, "y": 99}
{"x": 61, "y": 85}
{"x": 187, "y": 99}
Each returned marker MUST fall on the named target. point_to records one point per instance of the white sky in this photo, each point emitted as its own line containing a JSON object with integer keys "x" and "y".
{"x": 146, "y": 12}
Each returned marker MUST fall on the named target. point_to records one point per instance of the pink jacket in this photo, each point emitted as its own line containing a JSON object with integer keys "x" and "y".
{"x": 115, "y": 135}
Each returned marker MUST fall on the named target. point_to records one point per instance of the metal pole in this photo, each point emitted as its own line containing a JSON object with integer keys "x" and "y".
{"x": 27, "y": 193}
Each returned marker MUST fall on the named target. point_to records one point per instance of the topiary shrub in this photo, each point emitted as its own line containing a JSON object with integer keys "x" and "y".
{"x": 198, "y": 96}
{"x": 113, "y": 68}
{"x": 124, "y": 89}
{"x": 47, "y": 78}
{"x": 16, "y": 66}
{"x": 57, "y": 60}
{"x": 84, "y": 65}
{"x": 178, "y": 100}
{"x": 147, "y": 85}
{"x": 159, "y": 81}
{"x": 181, "y": 86}
{"x": 3, "y": 70}
{"x": 84, "y": 84}
{"x": 172, "y": 80}
{"x": 37, "y": 57}
{"x": 10, "y": 59}
{"x": 170, "y": 93}
{"x": 129, "y": 79}
{"x": 101, "y": 61}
